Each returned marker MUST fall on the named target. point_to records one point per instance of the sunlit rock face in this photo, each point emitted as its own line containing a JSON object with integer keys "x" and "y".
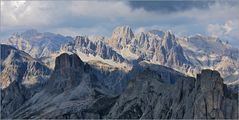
{"x": 121, "y": 37}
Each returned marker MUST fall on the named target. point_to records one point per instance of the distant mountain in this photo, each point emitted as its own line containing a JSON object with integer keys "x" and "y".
{"x": 210, "y": 52}
{"x": 124, "y": 49}
{"x": 186, "y": 54}
{"x": 37, "y": 44}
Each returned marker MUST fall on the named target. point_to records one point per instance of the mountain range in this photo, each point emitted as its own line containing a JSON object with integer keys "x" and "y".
{"x": 188, "y": 55}
{"x": 153, "y": 74}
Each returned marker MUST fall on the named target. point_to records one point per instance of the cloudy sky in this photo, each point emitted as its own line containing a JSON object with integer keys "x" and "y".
{"x": 214, "y": 18}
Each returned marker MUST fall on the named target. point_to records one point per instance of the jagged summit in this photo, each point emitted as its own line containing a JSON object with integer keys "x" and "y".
{"x": 122, "y": 32}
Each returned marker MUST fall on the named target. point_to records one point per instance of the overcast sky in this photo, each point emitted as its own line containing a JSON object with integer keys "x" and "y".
{"x": 215, "y": 18}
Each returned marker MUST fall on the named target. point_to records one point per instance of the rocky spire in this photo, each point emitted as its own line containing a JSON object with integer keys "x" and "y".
{"x": 121, "y": 37}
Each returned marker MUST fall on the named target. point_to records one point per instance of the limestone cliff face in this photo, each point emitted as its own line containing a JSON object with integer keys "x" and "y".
{"x": 67, "y": 73}
{"x": 66, "y": 64}
{"x": 205, "y": 97}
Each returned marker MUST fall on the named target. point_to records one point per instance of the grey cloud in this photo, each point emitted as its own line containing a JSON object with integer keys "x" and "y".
{"x": 176, "y": 6}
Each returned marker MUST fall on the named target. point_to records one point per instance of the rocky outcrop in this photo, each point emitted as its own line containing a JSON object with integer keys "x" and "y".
{"x": 205, "y": 97}
{"x": 67, "y": 73}
{"x": 18, "y": 66}
{"x": 21, "y": 77}
{"x": 73, "y": 91}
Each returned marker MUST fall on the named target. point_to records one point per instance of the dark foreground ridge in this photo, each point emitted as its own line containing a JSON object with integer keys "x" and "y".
{"x": 205, "y": 97}
{"x": 74, "y": 91}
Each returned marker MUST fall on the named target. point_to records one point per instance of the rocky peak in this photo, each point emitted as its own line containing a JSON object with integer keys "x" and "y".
{"x": 142, "y": 38}
{"x": 121, "y": 37}
{"x": 123, "y": 32}
{"x": 168, "y": 40}
{"x": 81, "y": 40}
{"x": 66, "y": 62}
{"x": 210, "y": 80}
{"x": 68, "y": 73}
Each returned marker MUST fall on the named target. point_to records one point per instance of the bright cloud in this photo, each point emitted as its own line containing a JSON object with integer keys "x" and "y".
{"x": 219, "y": 30}
{"x": 22, "y": 13}
{"x": 228, "y": 27}
{"x": 227, "y": 31}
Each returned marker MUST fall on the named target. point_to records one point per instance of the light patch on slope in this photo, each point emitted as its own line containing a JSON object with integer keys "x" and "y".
{"x": 125, "y": 52}
{"x": 186, "y": 45}
{"x": 86, "y": 58}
